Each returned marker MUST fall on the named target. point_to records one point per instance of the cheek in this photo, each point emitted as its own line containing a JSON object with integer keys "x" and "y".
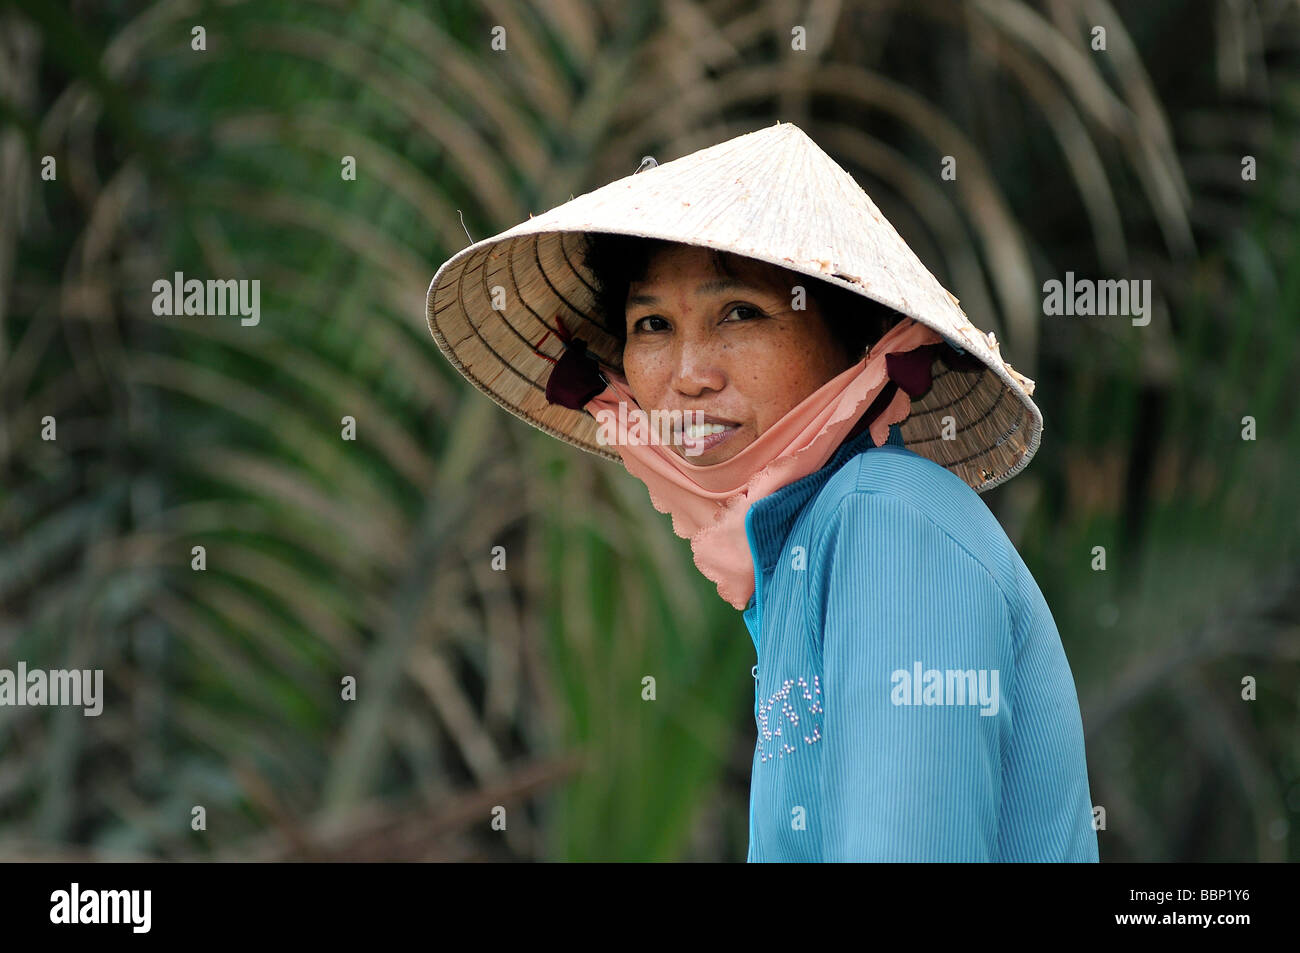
{"x": 785, "y": 370}
{"x": 644, "y": 372}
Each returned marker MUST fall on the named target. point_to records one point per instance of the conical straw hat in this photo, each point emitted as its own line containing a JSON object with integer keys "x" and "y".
{"x": 772, "y": 195}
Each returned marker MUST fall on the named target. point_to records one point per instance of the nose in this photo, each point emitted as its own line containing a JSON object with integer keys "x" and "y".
{"x": 696, "y": 369}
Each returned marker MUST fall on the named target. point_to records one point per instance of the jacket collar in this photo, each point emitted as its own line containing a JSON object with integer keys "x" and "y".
{"x": 770, "y": 519}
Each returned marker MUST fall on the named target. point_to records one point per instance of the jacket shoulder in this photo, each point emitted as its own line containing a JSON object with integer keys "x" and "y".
{"x": 938, "y": 493}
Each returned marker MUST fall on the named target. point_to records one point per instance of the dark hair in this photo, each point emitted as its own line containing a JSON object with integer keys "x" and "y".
{"x": 615, "y": 261}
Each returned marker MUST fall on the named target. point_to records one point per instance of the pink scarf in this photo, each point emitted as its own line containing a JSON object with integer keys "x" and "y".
{"x": 708, "y": 503}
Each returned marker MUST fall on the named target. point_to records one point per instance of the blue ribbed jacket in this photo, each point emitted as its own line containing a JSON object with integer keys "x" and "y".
{"x": 912, "y": 698}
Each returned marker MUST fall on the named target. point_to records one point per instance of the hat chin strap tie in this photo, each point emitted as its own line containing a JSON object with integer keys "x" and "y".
{"x": 910, "y": 370}
{"x": 576, "y": 378}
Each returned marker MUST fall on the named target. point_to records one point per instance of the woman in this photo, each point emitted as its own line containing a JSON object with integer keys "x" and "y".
{"x": 912, "y": 697}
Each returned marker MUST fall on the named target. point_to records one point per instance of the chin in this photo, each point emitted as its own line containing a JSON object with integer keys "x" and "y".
{"x": 720, "y": 455}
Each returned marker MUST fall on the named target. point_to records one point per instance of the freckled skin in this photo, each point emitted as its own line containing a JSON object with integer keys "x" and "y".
{"x": 706, "y": 352}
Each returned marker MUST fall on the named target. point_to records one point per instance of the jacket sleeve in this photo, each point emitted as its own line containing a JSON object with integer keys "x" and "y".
{"x": 909, "y": 772}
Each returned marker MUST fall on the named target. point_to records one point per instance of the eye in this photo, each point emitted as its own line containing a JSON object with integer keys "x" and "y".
{"x": 650, "y": 317}
{"x": 755, "y": 312}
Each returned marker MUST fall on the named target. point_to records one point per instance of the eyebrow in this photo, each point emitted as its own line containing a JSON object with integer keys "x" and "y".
{"x": 708, "y": 287}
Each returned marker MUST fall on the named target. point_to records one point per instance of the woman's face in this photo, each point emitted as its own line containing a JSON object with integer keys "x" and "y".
{"x": 731, "y": 348}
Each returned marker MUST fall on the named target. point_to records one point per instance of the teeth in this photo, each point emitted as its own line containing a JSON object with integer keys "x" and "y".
{"x": 694, "y": 432}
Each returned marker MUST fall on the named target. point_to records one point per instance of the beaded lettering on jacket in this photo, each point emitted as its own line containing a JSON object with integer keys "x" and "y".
{"x": 772, "y": 743}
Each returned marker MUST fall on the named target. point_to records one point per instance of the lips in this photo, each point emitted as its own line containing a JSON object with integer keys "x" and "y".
{"x": 700, "y": 438}
{"x": 697, "y": 431}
